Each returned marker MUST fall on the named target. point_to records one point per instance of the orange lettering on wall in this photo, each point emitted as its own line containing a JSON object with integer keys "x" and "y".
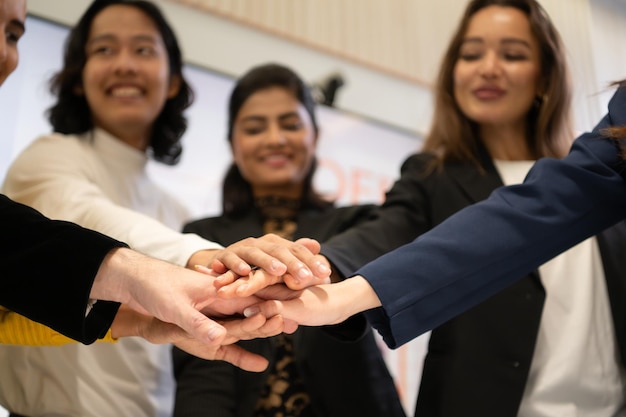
{"x": 350, "y": 184}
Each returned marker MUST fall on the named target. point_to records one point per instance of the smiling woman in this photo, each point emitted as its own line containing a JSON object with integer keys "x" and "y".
{"x": 120, "y": 98}
{"x": 501, "y": 101}
{"x": 126, "y": 78}
{"x": 273, "y": 132}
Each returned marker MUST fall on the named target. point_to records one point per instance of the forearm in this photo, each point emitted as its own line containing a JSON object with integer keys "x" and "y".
{"x": 487, "y": 246}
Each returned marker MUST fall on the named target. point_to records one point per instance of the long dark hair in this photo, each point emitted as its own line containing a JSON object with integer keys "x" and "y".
{"x": 71, "y": 113}
{"x": 453, "y": 136}
{"x": 237, "y": 197}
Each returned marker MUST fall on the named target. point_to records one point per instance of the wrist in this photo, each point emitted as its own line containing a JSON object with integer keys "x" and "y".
{"x": 361, "y": 297}
{"x": 111, "y": 281}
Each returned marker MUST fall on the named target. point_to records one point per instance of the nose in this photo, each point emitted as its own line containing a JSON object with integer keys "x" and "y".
{"x": 490, "y": 65}
{"x": 275, "y": 135}
{"x": 125, "y": 62}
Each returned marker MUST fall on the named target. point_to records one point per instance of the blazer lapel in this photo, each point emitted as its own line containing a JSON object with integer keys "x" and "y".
{"x": 476, "y": 184}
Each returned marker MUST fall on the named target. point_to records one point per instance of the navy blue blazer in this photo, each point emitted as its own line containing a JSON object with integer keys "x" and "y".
{"x": 48, "y": 268}
{"x": 478, "y": 362}
{"x": 485, "y": 247}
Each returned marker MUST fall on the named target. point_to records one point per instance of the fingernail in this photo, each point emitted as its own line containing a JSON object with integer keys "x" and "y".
{"x": 201, "y": 268}
{"x": 276, "y": 266}
{"x": 242, "y": 288}
{"x": 322, "y": 268}
{"x": 304, "y": 273}
{"x": 251, "y": 311}
{"x": 214, "y": 333}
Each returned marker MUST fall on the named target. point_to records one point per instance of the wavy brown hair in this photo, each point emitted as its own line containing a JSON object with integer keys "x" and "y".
{"x": 71, "y": 113}
{"x": 454, "y": 137}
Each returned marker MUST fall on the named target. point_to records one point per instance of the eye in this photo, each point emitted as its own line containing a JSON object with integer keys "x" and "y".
{"x": 469, "y": 56}
{"x": 513, "y": 56}
{"x": 101, "y": 50}
{"x": 146, "y": 50}
{"x": 293, "y": 126}
{"x": 470, "y": 53}
{"x": 253, "y": 130}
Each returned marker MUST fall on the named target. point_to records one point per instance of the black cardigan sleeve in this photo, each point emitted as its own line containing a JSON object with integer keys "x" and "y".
{"x": 47, "y": 269}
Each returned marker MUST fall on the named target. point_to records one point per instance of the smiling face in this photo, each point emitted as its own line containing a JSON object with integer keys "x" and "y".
{"x": 273, "y": 142}
{"x": 12, "y": 16}
{"x": 497, "y": 70}
{"x": 126, "y": 78}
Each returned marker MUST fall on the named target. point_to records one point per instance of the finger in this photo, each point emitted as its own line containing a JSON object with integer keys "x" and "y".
{"x": 200, "y": 326}
{"x": 242, "y": 358}
{"x": 225, "y": 279}
{"x": 298, "y": 284}
{"x": 205, "y": 270}
{"x": 252, "y": 327}
{"x": 233, "y": 354}
{"x": 267, "y": 308}
{"x": 277, "y": 292}
{"x": 290, "y": 326}
{"x": 234, "y": 258}
{"x": 311, "y": 244}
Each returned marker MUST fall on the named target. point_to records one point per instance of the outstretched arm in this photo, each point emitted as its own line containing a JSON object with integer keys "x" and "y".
{"x": 485, "y": 247}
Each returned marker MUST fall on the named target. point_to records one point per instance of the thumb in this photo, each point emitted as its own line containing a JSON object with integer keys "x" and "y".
{"x": 201, "y": 327}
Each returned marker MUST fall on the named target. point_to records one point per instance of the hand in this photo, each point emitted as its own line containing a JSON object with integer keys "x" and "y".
{"x": 170, "y": 293}
{"x": 297, "y": 264}
{"x": 131, "y": 323}
{"x": 321, "y": 304}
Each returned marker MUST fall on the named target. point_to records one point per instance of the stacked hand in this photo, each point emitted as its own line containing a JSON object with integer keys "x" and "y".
{"x": 181, "y": 306}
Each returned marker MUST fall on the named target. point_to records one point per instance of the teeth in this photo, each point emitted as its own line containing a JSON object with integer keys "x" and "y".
{"x": 275, "y": 157}
{"x": 126, "y": 92}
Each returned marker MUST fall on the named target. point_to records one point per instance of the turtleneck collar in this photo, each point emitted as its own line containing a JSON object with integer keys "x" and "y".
{"x": 113, "y": 150}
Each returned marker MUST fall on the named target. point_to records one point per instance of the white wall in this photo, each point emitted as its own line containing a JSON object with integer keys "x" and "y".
{"x": 593, "y": 32}
{"x": 231, "y": 48}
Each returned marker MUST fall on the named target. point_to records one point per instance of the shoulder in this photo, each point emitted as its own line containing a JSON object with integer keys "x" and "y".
{"x": 418, "y": 162}
{"x": 53, "y": 148}
{"x": 54, "y": 141}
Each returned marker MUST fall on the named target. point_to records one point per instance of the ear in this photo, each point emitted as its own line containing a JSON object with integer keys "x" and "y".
{"x": 174, "y": 87}
{"x": 79, "y": 90}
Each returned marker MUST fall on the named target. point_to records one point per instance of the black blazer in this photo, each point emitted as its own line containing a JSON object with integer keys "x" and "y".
{"x": 48, "y": 268}
{"x": 343, "y": 378}
{"x": 478, "y": 362}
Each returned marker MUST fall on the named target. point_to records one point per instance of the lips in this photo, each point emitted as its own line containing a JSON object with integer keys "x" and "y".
{"x": 277, "y": 159}
{"x": 125, "y": 91}
{"x": 488, "y": 93}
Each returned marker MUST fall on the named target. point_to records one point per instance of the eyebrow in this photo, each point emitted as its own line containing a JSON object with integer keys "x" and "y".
{"x": 110, "y": 37}
{"x": 263, "y": 118}
{"x": 505, "y": 41}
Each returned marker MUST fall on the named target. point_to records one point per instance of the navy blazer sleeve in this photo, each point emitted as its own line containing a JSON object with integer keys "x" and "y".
{"x": 47, "y": 270}
{"x": 487, "y": 246}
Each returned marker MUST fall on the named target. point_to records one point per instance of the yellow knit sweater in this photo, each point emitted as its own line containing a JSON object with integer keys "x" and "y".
{"x": 18, "y": 330}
